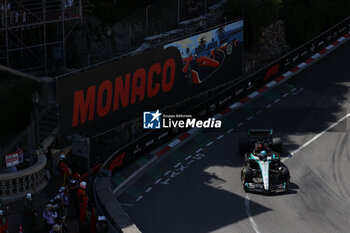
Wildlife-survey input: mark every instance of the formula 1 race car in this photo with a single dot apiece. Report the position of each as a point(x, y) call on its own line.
point(263, 171)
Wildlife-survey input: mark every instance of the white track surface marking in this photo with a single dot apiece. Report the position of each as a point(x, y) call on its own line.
point(157, 181)
point(199, 150)
point(139, 198)
point(209, 143)
point(317, 136)
point(229, 131)
point(167, 173)
point(149, 189)
point(249, 214)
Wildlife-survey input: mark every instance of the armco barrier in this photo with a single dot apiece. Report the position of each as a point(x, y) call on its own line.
point(236, 92)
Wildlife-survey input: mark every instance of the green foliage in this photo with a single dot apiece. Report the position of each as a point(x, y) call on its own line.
point(257, 15)
point(15, 103)
point(337, 10)
point(304, 19)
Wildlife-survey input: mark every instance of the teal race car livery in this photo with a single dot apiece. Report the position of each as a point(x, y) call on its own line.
point(263, 170)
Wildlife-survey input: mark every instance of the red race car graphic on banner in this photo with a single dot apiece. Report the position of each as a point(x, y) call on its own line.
point(203, 54)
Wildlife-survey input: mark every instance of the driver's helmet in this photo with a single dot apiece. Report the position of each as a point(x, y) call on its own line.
point(263, 153)
point(258, 147)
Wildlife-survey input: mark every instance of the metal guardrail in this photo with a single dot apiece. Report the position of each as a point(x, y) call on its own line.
point(233, 93)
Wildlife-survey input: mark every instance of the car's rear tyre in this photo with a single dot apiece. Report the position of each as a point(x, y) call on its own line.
point(277, 145)
point(243, 146)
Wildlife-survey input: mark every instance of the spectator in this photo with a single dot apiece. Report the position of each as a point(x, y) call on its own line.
point(57, 204)
point(63, 193)
point(52, 202)
point(12, 168)
point(23, 13)
point(3, 223)
point(69, 6)
point(20, 155)
point(63, 224)
point(9, 13)
point(70, 3)
point(15, 14)
point(50, 215)
point(56, 229)
point(29, 214)
point(83, 201)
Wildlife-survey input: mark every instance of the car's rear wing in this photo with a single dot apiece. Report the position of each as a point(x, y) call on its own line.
point(260, 134)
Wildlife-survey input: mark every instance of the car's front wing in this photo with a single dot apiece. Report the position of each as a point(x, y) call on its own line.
point(259, 187)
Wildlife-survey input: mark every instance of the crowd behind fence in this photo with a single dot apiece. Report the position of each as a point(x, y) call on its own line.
point(16, 13)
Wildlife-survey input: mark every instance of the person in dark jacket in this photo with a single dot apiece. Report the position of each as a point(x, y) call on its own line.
point(30, 214)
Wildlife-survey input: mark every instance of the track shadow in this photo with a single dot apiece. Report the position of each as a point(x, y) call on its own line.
point(191, 204)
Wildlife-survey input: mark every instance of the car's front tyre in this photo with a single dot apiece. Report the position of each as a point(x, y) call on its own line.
point(285, 176)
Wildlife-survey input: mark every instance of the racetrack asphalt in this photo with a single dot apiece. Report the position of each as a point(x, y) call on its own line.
point(196, 187)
